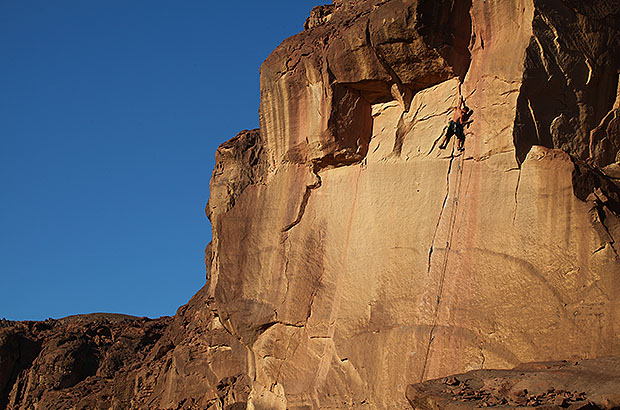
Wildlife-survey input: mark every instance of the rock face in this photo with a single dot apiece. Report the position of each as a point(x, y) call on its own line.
point(364, 258)
point(352, 257)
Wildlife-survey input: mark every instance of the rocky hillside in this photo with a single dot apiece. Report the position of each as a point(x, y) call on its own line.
point(71, 362)
point(352, 257)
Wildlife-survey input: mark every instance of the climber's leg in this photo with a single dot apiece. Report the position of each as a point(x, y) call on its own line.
point(460, 135)
point(449, 134)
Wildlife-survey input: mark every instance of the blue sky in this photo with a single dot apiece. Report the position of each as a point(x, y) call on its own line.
point(110, 114)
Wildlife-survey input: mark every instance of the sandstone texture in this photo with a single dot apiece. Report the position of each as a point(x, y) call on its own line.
point(363, 258)
point(104, 361)
point(71, 362)
point(587, 384)
point(351, 257)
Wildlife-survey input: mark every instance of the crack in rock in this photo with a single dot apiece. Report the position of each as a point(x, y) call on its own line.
point(514, 215)
point(451, 226)
point(304, 202)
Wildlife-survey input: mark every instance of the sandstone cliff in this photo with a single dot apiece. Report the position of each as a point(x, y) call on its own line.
point(362, 258)
point(351, 257)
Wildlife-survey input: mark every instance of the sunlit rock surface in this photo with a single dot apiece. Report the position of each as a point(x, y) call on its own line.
point(366, 258)
point(351, 257)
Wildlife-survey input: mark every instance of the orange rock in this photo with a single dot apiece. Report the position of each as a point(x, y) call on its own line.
point(367, 258)
point(352, 257)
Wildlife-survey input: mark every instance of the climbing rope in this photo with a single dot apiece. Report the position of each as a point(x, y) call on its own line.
point(444, 264)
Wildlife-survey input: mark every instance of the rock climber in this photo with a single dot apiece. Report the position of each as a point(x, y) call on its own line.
point(460, 118)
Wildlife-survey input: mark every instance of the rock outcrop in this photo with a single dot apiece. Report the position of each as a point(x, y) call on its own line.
point(104, 361)
point(585, 385)
point(71, 362)
point(351, 257)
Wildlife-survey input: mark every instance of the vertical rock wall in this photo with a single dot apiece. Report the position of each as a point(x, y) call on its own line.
point(365, 258)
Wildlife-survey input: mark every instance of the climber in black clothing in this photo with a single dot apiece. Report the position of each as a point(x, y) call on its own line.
point(460, 118)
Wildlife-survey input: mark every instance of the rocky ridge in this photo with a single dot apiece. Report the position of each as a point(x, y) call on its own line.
point(71, 362)
point(351, 257)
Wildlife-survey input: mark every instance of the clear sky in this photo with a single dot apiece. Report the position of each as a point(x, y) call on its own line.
point(110, 114)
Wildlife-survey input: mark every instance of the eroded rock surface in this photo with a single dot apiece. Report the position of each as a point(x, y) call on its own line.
point(71, 362)
point(351, 257)
point(570, 90)
point(366, 258)
point(587, 384)
point(104, 361)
